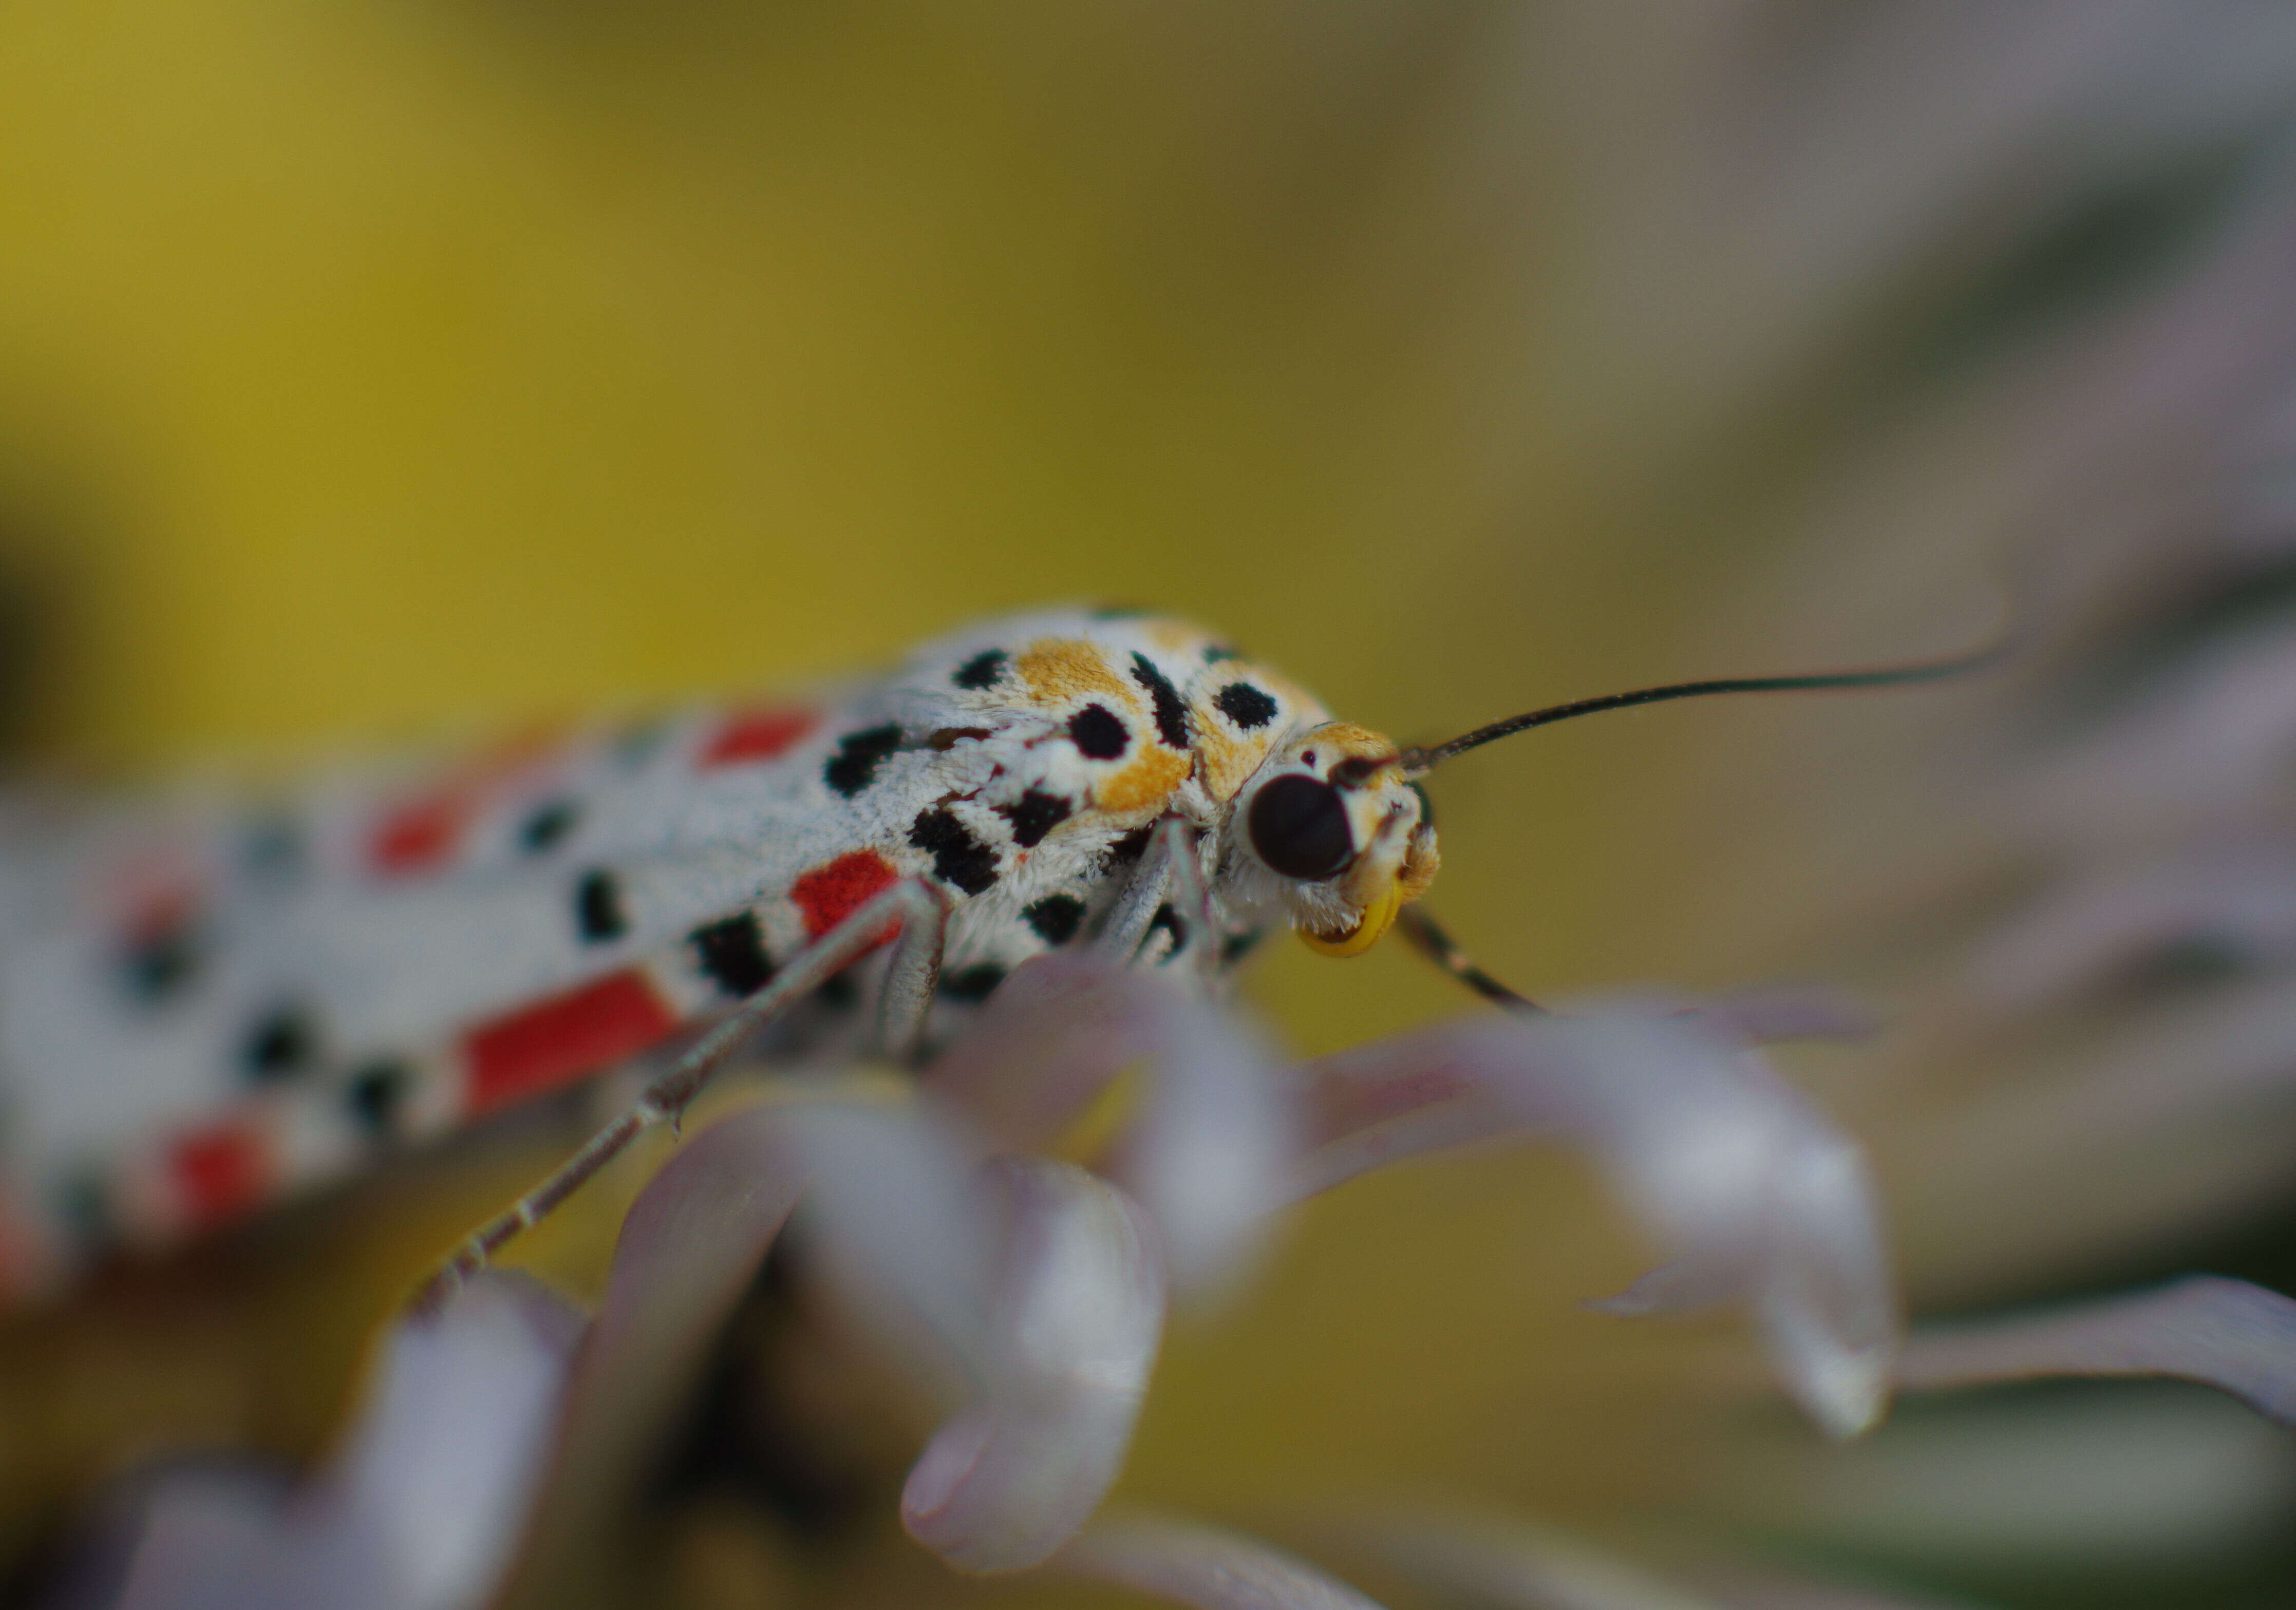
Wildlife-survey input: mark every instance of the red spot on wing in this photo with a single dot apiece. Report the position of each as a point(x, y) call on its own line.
point(220, 1174)
point(423, 832)
point(420, 836)
point(754, 735)
point(563, 1038)
point(828, 895)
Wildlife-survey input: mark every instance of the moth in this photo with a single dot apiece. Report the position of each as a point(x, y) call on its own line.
point(203, 1011)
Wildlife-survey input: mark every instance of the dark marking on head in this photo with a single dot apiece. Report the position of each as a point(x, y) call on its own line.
point(1248, 706)
point(548, 825)
point(958, 857)
point(972, 983)
point(1426, 805)
point(1035, 814)
point(1123, 852)
point(1055, 917)
point(1099, 733)
point(282, 1045)
point(983, 670)
point(733, 953)
point(1357, 769)
point(854, 766)
point(1171, 712)
point(377, 1094)
point(598, 914)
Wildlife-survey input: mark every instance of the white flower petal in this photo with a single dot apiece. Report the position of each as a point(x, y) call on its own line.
point(1200, 1565)
point(1208, 1156)
point(908, 1231)
point(423, 1506)
point(1207, 1153)
point(446, 1461)
point(2227, 1334)
point(1074, 1329)
point(1759, 1197)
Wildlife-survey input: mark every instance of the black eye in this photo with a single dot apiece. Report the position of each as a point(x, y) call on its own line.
point(1301, 829)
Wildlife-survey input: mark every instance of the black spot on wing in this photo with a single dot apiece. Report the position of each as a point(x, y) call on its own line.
point(1055, 917)
point(377, 1094)
point(160, 966)
point(983, 670)
point(281, 1045)
point(1099, 733)
point(972, 983)
point(598, 914)
point(547, 826)
point(958, 857)
point(854, 766)
point(1217, 653)
point(1171, 714)
point(1035, 814)
point(1246, 706)
point(271, 847)
point(733, 953)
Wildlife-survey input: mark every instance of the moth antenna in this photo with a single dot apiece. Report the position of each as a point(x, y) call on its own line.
point(1424, 932)
point(1418, 761)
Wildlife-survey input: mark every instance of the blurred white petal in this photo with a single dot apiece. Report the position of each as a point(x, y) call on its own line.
point(2227, 1334)
point(422, 1509)
point(1205, 1567)
point(1206, 1155)
point(1759, 1197)
point(1074, 1329)
point(909, 1229)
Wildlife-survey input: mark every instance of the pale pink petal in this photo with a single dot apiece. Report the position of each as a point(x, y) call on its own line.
point(448, 1461)
point(2227, 1334)
point(690, 1246)
point(908, 1231)
point(1208, 1157)
point(2089, 931)
point(1201, 1565)
point(1047, 1043)
point(1073, 1328)
point(1207, 1154)
point(422, 1509)
point(1758, 1194)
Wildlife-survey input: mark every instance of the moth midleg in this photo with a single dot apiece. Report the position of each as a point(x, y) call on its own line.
point(1192, 898)
point(1135, 911)
point(911, 974)
point(909, 904)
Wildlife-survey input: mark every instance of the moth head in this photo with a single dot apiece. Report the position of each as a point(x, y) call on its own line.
point(1346, 835)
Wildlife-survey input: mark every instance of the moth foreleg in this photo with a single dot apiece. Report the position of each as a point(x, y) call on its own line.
point(909, 905)
point(1152, 884)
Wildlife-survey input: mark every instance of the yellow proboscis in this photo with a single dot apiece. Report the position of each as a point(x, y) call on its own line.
point(1378, 917)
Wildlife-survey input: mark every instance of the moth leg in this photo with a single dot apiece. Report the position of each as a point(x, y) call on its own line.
point(1429, 938)
point(908, 905)
point(1135, 911)
point(911, 974)
point(1192, 898)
